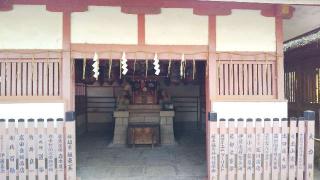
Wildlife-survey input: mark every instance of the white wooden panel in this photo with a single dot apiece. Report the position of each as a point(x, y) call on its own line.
point(250, 109)
point(176, 27)
point(3, 149)
point(246, 30)
point(22, 151)
point(104, 25)
point(30, 27)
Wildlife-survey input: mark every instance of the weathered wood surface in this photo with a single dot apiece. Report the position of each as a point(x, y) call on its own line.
point(262, 149)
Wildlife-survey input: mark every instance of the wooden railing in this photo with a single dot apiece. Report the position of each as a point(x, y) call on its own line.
point(30, 77)
point(245, 78)
point(261, 149)
point(37, 149)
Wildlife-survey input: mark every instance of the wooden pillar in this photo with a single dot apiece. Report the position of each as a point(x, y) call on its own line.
point(141, 29)
point(280, 58)
point(67, 65)
point(210, 84)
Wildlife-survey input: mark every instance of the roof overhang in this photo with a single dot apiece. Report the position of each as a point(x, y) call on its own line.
point(301, 2)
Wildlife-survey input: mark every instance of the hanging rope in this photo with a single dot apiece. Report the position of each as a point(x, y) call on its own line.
point(193, 68)
point(146, 67)
point(110, 66)
point(84, 68)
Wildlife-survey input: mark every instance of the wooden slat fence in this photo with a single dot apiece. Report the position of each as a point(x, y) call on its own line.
point(261, 149)
point(246, 78)
point(30, 77)
point(35, 149)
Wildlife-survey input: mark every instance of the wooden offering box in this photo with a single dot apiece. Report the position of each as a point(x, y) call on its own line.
point(143, 134)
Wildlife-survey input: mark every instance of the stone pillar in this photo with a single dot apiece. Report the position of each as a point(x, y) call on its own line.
point(120, 127)
point(166, 127)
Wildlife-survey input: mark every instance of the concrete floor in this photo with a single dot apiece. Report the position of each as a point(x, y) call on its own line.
point(96, 160)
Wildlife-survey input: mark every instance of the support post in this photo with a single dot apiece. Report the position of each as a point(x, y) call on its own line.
point(280, 66)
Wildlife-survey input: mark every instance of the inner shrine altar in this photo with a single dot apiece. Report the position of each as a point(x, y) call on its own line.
point(143, 117)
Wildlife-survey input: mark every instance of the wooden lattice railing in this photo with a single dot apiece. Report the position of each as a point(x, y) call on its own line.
point(261, 149)
point(246, 78)
point(30, 77)
point(37, 149)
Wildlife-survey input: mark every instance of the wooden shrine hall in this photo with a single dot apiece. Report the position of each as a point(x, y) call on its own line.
point(158, 89)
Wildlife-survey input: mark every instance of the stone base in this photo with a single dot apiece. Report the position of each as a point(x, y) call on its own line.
point(150, 114)
point(120, 127)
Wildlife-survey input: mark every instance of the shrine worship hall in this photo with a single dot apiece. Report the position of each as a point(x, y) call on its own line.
point(159, 89)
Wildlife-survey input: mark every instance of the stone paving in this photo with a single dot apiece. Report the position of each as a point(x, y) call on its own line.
point(185, 160)
point(96, 160)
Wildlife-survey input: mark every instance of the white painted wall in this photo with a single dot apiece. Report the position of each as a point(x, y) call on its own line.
point(250, 109)
point(30, 27)
point(176, 27)
point(104, 25)
point(246, 30)
point(31, 110)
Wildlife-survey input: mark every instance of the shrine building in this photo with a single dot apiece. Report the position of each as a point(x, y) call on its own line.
point(159, 89)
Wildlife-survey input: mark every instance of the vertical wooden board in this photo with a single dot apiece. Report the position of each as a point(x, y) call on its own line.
point(21, 137)
point(264, 79)
point(231, 85)
point(300, 148)
point(255, 79)
point(236, 79)
point(259, 74)
point(274, 79)
point(34, 78)
point(51, 151)
point(31, 147)
point(250, 83)
point(41, 151)
point(292, 149)
point(309, 149)
point(13, 79)
point(30, 84)
point(24, 78)
point(258, 150)
point(19, 78)
point(3, 149)
point(232, 146)
point(269, 79)
point(45, 79)
point(245, 79)
point(60, 149)
point(50, 84)
point(3, 79)
point(12, 150)
point(276, 143)
point(267, 145)
point(226, 79)
point(242, 144)
point(70, 150)
point(213, 149)
point(250, 150)
point(240, 79)
point(284, 149)
point(40, 79)
point(221, 79)
point(56, 79)
point(223, 148)
point(8, 79)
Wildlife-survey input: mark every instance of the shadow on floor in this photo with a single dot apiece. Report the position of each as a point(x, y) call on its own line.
point(186, 160)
